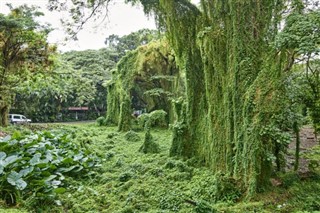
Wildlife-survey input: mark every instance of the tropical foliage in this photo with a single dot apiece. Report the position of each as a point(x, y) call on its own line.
point(24, 52)
point(77, 78)
point(36, 166)
point(215, 108)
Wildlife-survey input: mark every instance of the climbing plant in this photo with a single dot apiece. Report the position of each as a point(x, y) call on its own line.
point(227, 53)
point(146, 79)
point(235, 55)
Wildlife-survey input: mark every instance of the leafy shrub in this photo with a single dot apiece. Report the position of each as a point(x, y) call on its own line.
point(171, 200)
point(156, 118)
point(124, 177)
point(149, 145)
point(132, 136)
point(314, 158)
point(216, 188)
point(112, 135)
point(101, 121)
point(306, 195)
point(36, 165)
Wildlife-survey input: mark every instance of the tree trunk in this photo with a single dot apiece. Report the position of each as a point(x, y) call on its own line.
point(125, 117)
point(4, 111)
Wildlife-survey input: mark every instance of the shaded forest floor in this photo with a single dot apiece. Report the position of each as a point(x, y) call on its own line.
point(132, 182)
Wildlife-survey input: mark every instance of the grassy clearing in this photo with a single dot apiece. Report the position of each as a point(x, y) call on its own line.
point(132, 182)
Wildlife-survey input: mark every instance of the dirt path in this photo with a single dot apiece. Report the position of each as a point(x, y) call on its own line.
point(307, 141)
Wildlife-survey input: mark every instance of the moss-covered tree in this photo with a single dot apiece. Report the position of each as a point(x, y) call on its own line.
point(233, 83)
point(146, 78)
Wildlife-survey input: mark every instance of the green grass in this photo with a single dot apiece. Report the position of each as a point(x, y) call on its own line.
point(132, 182)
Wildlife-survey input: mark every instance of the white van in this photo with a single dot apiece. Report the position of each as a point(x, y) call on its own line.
point(16, 118)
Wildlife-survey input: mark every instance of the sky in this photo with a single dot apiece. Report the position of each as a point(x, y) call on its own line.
point(122, 20)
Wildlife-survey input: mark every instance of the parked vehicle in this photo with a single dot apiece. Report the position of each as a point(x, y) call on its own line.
point(16, 118)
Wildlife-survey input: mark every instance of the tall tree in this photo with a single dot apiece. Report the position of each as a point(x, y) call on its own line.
point(23, 51)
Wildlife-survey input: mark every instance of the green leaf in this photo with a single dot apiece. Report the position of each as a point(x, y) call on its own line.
point(66, 169)
point(6, 139)
point(60, 190)
point(3, 155)
point(36, 159)
point(16, 135)
point(15, 179)
point(42, 165)
point(13, 142)
point(51, 177)
point(26, 171)
point(67, 160)
point(78, 157)
point(56, 182)
point(21, 184)
point(79, 169)
point(11, 159)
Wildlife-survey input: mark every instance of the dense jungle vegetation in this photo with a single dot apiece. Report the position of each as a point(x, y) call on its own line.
point(218, 111)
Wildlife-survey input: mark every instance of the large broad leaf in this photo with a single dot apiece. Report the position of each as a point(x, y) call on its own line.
point(15, 179)
point(6, 139)
point(78, 157)
point(26, 171)
point(21, 184)
point(49, 156)
point(3, 155)
point(36, 159)
point(64, 170)
point(56, 182)
point(13, 142)
point(11, 159)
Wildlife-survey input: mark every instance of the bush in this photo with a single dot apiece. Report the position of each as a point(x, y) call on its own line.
point(155, 118)
point(101, 121)
point(132, 136)
point(149, 145)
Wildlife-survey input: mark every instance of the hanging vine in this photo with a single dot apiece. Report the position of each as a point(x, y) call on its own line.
point(226, 52)
point(234, 80)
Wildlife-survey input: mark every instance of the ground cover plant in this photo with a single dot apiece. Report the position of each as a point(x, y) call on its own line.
point(131, 181)
point(35, 167)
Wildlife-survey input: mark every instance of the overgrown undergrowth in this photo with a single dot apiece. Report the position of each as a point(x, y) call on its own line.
point(130, 181)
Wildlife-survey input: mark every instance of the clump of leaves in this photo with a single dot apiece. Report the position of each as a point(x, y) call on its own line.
point(37, 165)
point(156, 118)
point(101, 121)
point(149, 145)
point(132, 136)
point(314, 158)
